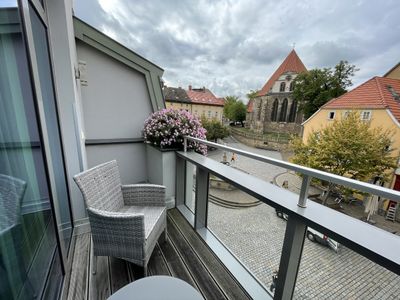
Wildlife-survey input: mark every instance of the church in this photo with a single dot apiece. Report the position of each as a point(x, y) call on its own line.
point(274, 109)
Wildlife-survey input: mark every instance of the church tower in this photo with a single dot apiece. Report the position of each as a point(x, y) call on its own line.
point(274, 109)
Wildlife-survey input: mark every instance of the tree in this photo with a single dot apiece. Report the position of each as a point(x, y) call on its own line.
point(252, 94)
point(349, 147)
point(314, 88)
point(234, 109)
point(215, 130)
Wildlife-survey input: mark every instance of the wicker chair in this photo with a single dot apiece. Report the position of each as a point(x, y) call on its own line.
point(126, 220)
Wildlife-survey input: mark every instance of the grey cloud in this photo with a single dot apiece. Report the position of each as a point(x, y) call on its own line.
point(234, 46)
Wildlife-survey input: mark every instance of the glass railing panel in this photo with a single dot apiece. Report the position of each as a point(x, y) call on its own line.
point(190, 186)
point(250, 229)
point(329, 270)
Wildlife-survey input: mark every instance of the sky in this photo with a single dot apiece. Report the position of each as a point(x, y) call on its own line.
point(232, 47)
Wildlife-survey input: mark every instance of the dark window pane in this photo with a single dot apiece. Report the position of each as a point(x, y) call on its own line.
point(46, 84)
point(27, 233)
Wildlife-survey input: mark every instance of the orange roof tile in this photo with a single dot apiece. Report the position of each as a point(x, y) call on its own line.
point(204, 96)
point(292, 63)
point(378, 92)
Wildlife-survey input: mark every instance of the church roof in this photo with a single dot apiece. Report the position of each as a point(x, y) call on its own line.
point(376, 93)
point(292, 63)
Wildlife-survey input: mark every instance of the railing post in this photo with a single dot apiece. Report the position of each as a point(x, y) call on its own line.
point(180, 181)
point(305, 185)
point(184, 144)
point(202, 179)
point(290, 259)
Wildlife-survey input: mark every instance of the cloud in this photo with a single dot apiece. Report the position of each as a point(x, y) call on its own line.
point(234, 46)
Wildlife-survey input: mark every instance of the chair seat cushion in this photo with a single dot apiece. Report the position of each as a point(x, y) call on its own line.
point(153, 217)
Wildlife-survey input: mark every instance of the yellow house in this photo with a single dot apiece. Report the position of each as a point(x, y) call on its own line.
point(200, 102)
point(377, 101)
point(394, 72)
point(205, 103)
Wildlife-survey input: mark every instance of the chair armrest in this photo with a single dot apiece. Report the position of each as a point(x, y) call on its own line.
point(117, 234)
point(144, 194)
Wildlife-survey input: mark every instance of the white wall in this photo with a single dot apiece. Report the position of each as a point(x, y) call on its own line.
point(282, 78)
point(115, 104)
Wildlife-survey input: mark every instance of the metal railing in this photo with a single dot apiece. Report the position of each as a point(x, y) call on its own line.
point(353, 233)
point(308, 173)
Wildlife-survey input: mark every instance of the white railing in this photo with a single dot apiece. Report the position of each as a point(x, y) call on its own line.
point(353, 233)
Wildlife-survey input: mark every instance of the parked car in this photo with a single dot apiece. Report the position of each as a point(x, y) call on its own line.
point(318, 237)
point(314, 235)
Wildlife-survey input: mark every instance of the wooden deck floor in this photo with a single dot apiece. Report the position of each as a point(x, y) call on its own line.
point(184, 256)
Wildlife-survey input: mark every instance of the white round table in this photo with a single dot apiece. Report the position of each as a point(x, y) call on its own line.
point(156, 288)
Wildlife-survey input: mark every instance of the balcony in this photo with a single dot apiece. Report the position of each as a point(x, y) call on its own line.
point(184, 256)
point(201, 251)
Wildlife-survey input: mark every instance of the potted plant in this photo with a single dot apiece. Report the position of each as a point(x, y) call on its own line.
point(163, 134)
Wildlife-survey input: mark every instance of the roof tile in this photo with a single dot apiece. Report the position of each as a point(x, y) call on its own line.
point(292, 63)
point(373, 94)
point(204, 96)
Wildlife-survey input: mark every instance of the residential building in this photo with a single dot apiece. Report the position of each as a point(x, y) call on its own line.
point(71, 98)
point(199, 101)
point(274, 109)
point(376, 101)
point(205, 103)
point(177, 98)
point(394, 72)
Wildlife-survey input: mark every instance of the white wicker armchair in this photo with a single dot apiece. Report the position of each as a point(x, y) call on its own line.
point(126, 220)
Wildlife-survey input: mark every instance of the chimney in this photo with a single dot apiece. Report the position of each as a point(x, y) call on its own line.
point(204, 89)
point(190, 87)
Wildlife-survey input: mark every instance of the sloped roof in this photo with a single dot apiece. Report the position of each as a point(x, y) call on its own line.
point(175, 95)
point(250, 106)
point(378, 92)
point(292, 63)
point(204, 96)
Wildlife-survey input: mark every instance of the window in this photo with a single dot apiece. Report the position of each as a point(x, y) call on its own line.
point(216, 114)
point(282, 115)
point(274, 113)
point(282, 87)
point(209, 113)
point(331, 115)
point(195, 112)
point(291, 87)
point(366, 115)
point(293, 110)
point(346, 114)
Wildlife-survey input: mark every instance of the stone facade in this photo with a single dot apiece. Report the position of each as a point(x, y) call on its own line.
point(277, 111)
point(274, 109)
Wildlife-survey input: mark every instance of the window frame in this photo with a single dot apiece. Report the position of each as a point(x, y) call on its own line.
point(282, 86)
point(363, 113)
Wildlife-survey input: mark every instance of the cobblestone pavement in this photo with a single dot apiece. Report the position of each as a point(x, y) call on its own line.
point(255, 235)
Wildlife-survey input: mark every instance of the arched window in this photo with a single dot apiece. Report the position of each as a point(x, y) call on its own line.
point(282, 115)
point(274, 113)
point(282, 87)
point(293, 110)
point(291, 87)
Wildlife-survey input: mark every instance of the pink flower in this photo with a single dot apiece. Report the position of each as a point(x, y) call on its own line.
point(166, 128)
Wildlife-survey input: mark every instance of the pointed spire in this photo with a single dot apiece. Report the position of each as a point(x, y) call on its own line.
point(292, 63)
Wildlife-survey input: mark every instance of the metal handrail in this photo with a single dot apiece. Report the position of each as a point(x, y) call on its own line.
point(308, 172)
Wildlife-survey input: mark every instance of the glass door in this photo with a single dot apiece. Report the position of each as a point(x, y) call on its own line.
point(35, 215)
